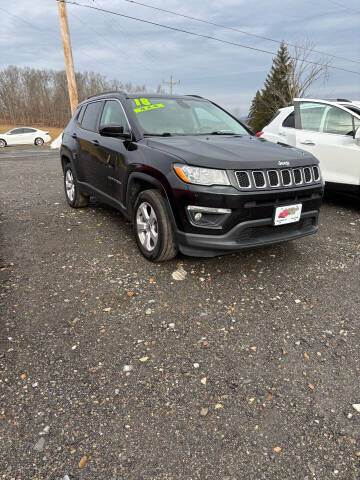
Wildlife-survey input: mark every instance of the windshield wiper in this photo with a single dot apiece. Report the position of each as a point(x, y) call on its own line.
point(165, 134)
point(222, 132)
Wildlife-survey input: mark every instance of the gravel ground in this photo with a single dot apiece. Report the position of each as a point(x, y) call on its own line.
point(247, 369)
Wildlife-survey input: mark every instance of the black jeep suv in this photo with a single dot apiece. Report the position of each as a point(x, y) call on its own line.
point(188, 174)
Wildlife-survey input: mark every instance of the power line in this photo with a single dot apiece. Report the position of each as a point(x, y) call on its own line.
point(104, 39)
point(343, 7)
point(117, 28)
point(204, 36)
point(24, 21)
point(237, 30)
point(46, 31)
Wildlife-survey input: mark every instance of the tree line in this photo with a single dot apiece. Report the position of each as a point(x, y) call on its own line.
point(30, 96)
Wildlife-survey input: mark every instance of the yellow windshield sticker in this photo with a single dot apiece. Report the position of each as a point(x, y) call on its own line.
point(148, 107)
point(144, 101)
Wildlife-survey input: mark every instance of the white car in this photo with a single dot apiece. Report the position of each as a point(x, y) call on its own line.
point(330, 130)
point(24, 136)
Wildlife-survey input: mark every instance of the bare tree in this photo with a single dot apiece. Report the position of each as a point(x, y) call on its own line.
point(40, 97)
point(291, 76)
point(305, 69)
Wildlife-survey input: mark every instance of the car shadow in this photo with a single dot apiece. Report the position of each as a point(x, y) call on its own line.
point(342, 200)
point(290, 252)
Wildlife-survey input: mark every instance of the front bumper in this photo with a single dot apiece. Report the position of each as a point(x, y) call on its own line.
point(250, 223)
point(248, 234)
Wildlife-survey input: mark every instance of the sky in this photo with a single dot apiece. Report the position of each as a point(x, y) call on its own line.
point(132, 51)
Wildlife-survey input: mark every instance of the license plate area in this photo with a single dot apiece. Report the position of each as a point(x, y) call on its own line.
point(287, 214)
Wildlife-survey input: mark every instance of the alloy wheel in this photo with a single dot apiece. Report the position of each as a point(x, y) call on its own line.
point(147, 226)
point(70, 185)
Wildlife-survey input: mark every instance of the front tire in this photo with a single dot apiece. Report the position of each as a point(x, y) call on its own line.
point(73, 195)
point(2, 143)
point(153, 230)
point(39, 141)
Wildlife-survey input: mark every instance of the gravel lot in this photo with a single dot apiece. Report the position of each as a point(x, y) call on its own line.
point(110, 369)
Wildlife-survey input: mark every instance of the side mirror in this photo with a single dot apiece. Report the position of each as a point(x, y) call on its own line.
point(115, 131)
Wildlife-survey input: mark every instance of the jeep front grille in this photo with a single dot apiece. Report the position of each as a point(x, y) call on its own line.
point(277, 178)
point(298, 177)
point(259, 179)
point(286, 177)
point(316, 173)
point(274, 179)
point(243, 179)
point(307, 174)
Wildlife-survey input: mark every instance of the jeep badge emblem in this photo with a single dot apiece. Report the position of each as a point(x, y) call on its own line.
point(283, 164)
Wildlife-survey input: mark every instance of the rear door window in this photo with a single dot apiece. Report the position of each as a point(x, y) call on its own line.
point(289, 121)
point(312, 116)
point(16, 131)
point(91, 116)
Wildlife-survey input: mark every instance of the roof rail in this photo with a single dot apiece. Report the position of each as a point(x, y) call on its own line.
point(107, 93)
point(197, 96)
point(337, 100)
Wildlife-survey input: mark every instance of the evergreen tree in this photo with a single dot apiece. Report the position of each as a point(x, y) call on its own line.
point(254, 111)
point(276, 92)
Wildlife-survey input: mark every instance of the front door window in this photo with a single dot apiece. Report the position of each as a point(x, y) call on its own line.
point(113, 114)
point(322, 118)
point(339, 122)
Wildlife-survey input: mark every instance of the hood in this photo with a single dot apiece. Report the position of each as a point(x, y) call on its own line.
point(231, 152)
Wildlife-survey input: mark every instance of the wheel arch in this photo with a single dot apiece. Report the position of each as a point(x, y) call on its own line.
point(65, 160)
point(138, 182)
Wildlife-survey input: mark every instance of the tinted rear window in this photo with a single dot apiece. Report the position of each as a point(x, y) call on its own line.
point(90, 119)
point(289, 121)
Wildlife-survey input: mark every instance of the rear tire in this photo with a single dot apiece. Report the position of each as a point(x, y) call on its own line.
point(39, 141)
point(72, 193)
point(153, 230)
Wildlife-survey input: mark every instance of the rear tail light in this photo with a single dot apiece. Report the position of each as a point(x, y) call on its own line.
point(259, 134)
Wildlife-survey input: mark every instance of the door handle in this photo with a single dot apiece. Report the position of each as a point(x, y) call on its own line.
point(74, 135)
point(96, 143)
point(308, 142)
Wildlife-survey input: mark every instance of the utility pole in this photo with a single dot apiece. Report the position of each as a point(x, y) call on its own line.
point(171, 83)
point(69, 63)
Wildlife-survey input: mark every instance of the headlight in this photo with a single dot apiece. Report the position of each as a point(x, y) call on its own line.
point(201, 176)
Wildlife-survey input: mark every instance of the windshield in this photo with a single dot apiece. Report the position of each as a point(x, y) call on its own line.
point(176, 116)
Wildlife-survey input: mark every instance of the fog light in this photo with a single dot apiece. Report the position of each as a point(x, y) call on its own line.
point(207, 217)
